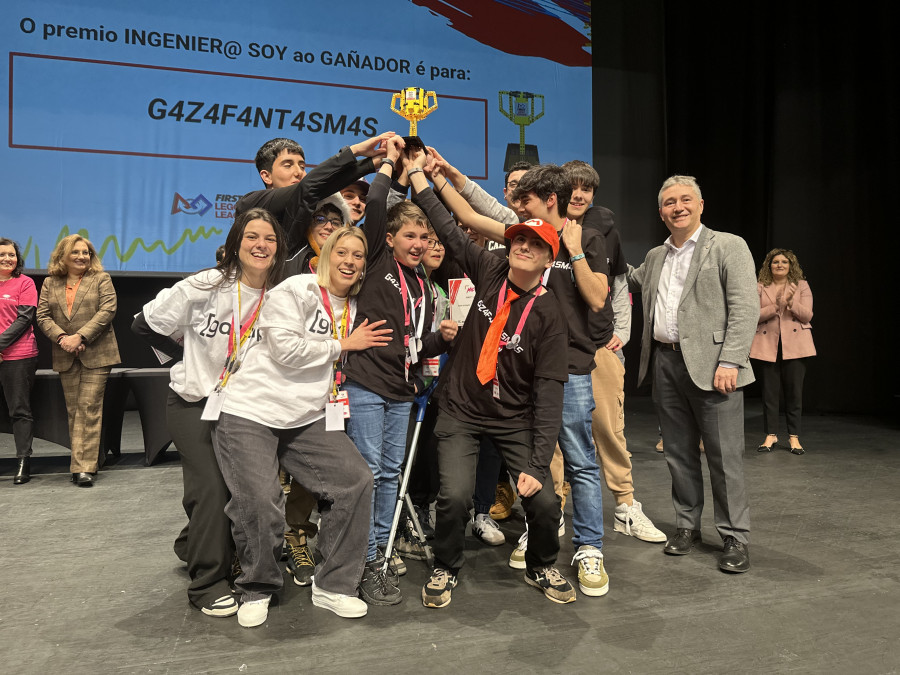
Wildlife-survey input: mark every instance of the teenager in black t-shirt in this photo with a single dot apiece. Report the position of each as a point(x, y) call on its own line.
point(381, 385)
point(509, 389)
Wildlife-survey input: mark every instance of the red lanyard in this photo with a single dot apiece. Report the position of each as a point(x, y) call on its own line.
point(337, 333)
point(235, 339)
point(501, 299)
point(409, 329)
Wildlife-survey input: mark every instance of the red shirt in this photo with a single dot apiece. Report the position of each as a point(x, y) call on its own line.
point(17, 291)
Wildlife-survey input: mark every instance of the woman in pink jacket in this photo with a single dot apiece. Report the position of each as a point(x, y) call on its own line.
point(782, 343)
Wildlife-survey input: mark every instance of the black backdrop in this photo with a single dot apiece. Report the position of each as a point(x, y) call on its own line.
point(787, 115)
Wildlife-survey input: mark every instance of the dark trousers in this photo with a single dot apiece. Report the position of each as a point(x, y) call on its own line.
point(489, 465)
point(423, 480)
point(782, 377)
point(687, 414)
point(458, 449)
point(207, 547)
point(17, 381)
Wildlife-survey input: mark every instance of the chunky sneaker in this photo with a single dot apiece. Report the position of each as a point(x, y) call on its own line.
point(375, 589)
point(631, 520)
point(554, 584)
point(592, 578)
point(504, 498)
point(410, 547)
point(487, 530)
point(254, 612)
point(347, 606)
point(300, 564)
point(436, 593)
point(517, 557)
point(225, 606)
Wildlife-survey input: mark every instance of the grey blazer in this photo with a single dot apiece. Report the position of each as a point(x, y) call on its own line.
point(719, 306)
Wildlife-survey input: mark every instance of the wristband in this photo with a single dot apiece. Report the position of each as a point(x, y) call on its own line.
point(576, 257)
point(389, 162)
point(412, 171)
point(442, 186)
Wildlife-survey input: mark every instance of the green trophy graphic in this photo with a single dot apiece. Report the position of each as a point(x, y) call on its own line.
point(519, 108)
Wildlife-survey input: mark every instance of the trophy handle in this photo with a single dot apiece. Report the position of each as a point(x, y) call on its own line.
point(507, 115)
point(434, 104)
point(540, 114)
point(395, 98)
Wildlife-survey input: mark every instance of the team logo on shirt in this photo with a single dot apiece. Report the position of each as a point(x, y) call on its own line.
point(213, 327)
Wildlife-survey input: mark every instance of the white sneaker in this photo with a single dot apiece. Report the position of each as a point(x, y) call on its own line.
point(254, 612)
point(487, 530)
point(347, 606)
point(517, 557)
point(631, 520)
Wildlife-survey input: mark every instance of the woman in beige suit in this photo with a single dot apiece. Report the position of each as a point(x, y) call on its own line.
point(782, 343)
point(76, 309)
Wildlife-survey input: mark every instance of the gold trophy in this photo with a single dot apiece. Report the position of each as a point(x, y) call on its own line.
point(414, 107)
point(520, 110)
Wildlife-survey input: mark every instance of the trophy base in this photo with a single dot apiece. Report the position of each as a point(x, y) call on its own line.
point(514, 153)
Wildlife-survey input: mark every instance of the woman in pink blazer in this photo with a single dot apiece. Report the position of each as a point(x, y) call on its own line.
point(782, 343)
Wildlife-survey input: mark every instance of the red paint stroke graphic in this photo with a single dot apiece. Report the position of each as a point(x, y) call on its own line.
point(520, 27)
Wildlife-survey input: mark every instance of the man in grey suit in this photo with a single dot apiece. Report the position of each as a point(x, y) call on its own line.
point(700, 313)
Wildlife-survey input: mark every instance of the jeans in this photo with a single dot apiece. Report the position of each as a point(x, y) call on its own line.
point(323, 462)
point(378, 426)
point(581, 469)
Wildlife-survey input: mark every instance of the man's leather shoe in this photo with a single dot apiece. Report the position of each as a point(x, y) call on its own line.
point(23, 472)
point(735, 556)
point(682, 542)
point(84, 479)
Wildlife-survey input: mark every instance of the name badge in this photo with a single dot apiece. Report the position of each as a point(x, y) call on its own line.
point(334, 416)
point(496, 388)
point(213, 407)
point(344, 400)
point(431, 367)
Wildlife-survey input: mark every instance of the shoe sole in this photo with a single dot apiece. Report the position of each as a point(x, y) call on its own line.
point(500, 515)
point(412, 555)
point(621, 529)
point(558, 601)
point(380, 603)
point(484, 540)
point(296, 580)
point(231, 611)
point(593, 592)
point(253, 624)
point(327, 604)
point(517, 564)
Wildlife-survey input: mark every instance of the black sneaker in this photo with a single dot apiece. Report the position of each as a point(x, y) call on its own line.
point(408, 544)
point(375, 589)
point(227, 605)
point(300, 564)
point(436, 593)
point(424, 516)
point(391, 574)
point(552, 582)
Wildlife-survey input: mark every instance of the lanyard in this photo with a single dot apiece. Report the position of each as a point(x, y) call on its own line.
point(337, 333)
point(238, 341)
point(516, 338)
point(409, 304)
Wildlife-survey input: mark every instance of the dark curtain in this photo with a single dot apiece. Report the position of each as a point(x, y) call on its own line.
point(787, 115)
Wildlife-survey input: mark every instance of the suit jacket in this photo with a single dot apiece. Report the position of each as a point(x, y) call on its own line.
point(792, 326)
point(92, 314)
point(718, 310)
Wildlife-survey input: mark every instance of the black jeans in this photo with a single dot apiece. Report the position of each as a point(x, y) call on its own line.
point(17, 381)
point(458, 449)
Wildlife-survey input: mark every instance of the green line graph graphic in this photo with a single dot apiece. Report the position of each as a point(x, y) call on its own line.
point(113, 242)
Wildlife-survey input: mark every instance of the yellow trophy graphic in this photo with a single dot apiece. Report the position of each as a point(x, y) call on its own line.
point(414, 107)
point(520, 109)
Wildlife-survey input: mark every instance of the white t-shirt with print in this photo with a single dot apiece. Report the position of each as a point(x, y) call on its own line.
point(201, 312)
point(285, 380)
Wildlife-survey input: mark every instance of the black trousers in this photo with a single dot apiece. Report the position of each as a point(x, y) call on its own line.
point(17, 381)
point(458, 449)
point(207, 548)
point(783, 377)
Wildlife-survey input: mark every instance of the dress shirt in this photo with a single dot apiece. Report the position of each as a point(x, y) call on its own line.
point(671, 284)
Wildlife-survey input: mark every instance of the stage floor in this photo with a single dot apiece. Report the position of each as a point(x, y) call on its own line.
point(92, 584)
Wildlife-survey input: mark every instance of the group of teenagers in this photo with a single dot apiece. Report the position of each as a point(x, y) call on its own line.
point(301, 352)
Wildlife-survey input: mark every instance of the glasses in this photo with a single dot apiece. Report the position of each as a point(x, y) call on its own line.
point(321, 220)
point(433, 244)
point(512, 185)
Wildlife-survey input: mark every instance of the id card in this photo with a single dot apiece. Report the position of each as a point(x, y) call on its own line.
point(344, 400)
point(334, 416)
point(431, 367)
point(213, 407)
point(495, 386)
point(413, 350)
